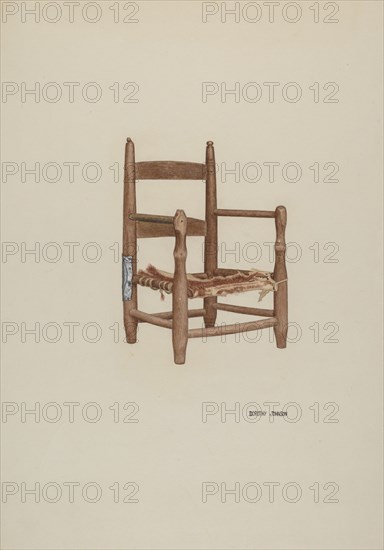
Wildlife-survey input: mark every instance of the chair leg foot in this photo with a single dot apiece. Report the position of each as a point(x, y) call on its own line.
point(179, 358)
point(131, 332)
point(179, 351)
point(130, 323)
point(210, 312)
point(280, 336)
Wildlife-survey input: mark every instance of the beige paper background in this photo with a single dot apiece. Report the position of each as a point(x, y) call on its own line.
point(170, 452)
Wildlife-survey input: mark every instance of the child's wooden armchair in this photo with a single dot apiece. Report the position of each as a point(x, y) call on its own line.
point(210, 284)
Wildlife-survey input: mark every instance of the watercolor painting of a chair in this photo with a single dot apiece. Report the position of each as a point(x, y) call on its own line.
point(210, 284)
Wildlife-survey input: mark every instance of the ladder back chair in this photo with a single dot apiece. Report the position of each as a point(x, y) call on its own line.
point(211, 283)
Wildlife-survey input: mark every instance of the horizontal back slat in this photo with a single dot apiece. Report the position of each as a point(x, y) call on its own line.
point(151, 218)
point(170, 170)
point(146, 229)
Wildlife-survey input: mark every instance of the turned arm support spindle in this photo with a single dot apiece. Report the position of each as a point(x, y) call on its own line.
point(280, 274)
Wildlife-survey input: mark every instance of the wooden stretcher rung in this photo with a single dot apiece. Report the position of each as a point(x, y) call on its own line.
point(244, 309)
point(245, 213)
point(149, 318)
point(231, 329)
point(169, 314)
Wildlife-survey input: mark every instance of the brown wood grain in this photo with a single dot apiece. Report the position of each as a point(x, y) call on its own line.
point(245, 309)
point(210, 244)
point(180, 289)
point(130, 237)
point(280, 301)
point(169, 314)
point(231, 329)
point(170, 170)
point(245, 213)
point(150, 225)
point(150, 318)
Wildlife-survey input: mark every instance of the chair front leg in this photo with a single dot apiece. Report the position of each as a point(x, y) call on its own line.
point(280, 276)
point(180, 289)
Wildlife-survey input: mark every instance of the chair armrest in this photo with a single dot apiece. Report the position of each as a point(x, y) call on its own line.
point(246, 213)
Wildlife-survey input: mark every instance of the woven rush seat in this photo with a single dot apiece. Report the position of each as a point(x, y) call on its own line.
point(202, 286)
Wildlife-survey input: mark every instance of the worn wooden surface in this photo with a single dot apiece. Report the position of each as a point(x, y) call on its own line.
point(169, 314)
point(280, 301)
point(170, 170)
point(179, 291)
point(245, 309)
point(231, 329)
point(130, 237)
point(151, 225)
point(149, 318)
point(245, 213)
point(210, 244)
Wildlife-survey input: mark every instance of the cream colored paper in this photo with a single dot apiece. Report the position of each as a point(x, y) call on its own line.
point(310, 480)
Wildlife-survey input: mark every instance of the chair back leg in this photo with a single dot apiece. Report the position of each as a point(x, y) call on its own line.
point(130, 238)
point(210, 245)
point(180, 289)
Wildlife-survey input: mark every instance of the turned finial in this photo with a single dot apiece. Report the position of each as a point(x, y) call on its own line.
point(180, 221)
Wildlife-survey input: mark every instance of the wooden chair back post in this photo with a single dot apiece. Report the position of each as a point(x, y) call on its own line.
point(130, 237)
point(280, 274)
point(210, 244)
point(180, 288)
